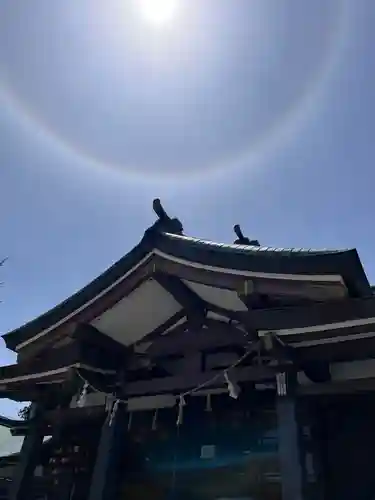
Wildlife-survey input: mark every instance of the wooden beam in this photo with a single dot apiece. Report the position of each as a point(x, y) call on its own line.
point(311, 290)
point(272, 286)
point(338, 387)
point(183, 365)
point(361, 348)
point(290, 445)
point(271, 294)
point(313, 314)
point(203, 276)
point(279, 349)
point(181, 339)
point(179, 383)
point(269, 302)
point(193, 362)
point(316, 370)
point(90, 347)
point(220, 360)
point(72, 415)
point(163, 327)
point(194, 305)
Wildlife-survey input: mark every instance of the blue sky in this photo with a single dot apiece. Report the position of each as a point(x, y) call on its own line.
point(258, 112)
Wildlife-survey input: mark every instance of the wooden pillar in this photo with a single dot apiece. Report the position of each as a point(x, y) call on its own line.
point(108, 474)
point(290, 439)
point(29, 458)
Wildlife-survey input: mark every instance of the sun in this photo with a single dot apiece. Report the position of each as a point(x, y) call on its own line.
point(158, 12)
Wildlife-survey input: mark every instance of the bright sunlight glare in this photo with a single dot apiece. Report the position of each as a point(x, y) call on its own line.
point(158, 12)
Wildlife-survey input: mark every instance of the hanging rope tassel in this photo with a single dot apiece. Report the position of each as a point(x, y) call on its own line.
point(233, 388)
point(181, 405)
point(155, 420)
point(113, 412)
point(82, 397)
point(109, 402)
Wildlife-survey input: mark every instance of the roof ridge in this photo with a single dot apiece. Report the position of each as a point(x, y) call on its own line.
point(256, 248)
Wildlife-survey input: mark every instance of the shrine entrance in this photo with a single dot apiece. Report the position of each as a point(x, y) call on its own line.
point(224, 449)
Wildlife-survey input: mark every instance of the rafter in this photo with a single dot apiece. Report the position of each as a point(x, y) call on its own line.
point(195, 306)
point(161, 329)
point(184, 339)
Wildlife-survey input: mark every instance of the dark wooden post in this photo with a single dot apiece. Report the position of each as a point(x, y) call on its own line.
point(290, 439)
point(29, 457)
point(107, 475)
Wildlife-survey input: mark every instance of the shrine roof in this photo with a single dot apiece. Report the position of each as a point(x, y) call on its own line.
point(245, 258)
point(189, 243)
point(11, 423)
point(247, 249)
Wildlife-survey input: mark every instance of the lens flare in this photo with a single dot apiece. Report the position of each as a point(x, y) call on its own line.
point(158, 12)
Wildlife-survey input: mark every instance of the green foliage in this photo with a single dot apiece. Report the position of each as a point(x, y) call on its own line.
point(24, 412)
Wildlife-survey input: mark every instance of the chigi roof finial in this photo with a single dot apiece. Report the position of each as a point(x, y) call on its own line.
point(159, 210)
point(164, 222)
point(243, 240)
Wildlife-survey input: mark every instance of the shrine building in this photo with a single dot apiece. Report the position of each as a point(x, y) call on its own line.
point(198, 370)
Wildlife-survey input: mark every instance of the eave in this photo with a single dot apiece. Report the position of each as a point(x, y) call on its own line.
point(231, 267)
point(11, 423)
